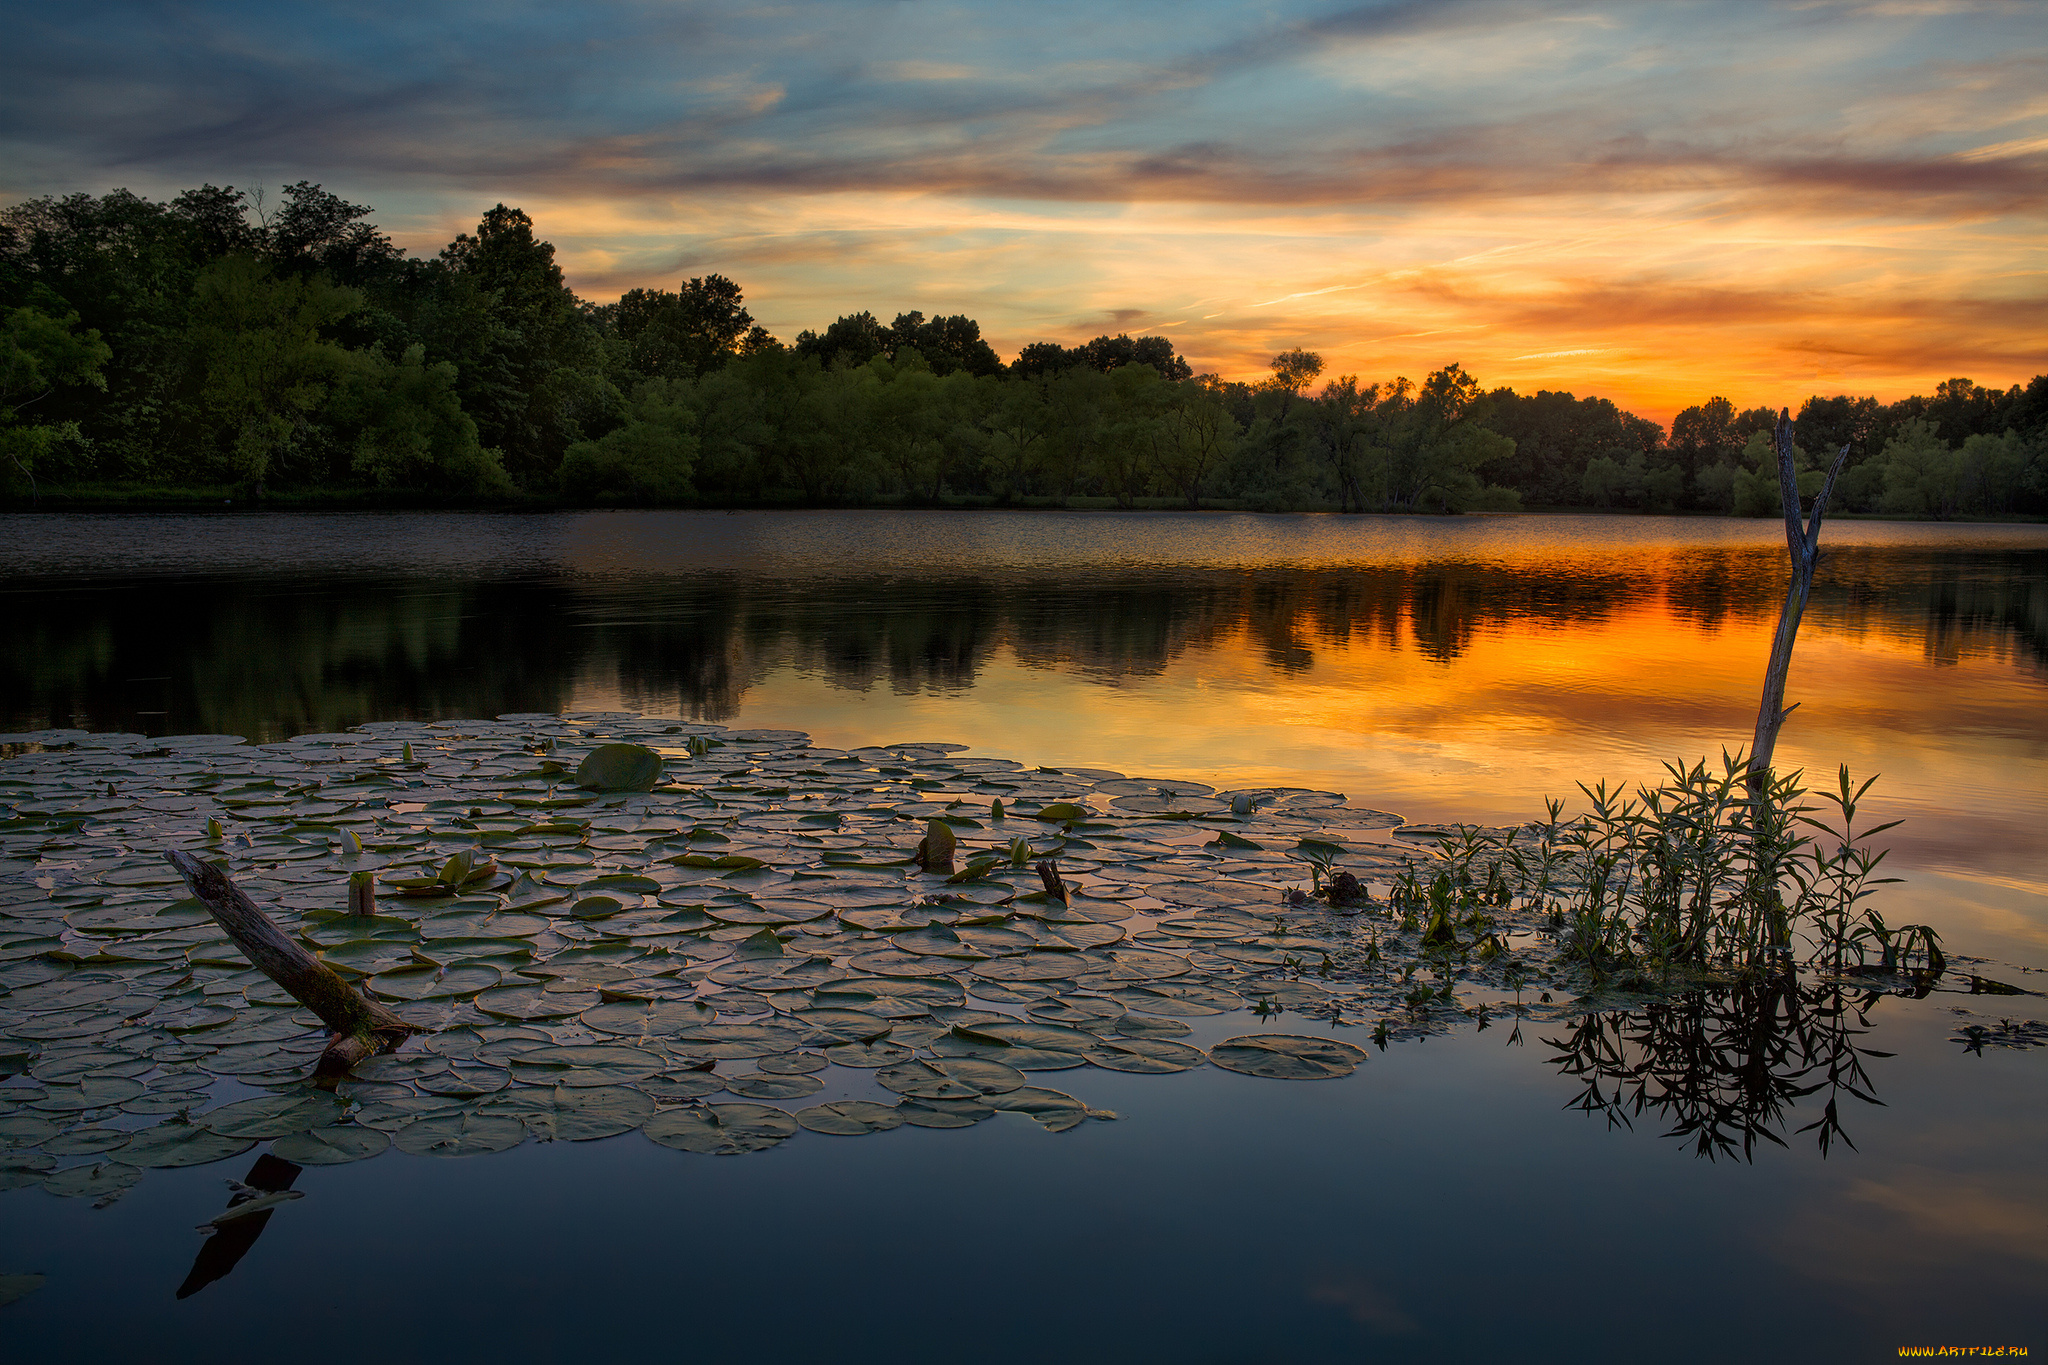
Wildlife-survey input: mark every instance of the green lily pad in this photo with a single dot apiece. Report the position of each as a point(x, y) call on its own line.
point(935, 1113)
point(735, 1040)
point(619, 768)
point(769, 1086)
point(459, 1134)
point(181, 1144)
point(1150, 1055)
point(867, 1055)
point(951, 1078)
point(332, 1146)
point(271, 1116)
point(1287, 1057)
point(102, 1180)
point(572, 1114)
point(586, 1066)
point(721, 1129)
point(432, 983)
point(87, 1141)
point(850, 1118)
point(1055, 1110)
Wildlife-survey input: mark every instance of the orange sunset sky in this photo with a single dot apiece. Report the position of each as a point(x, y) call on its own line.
point(1653, 202)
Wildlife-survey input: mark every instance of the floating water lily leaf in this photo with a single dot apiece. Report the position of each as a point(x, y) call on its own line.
point(429, 983)
point(534, 1002)
point(270, 1116)
point(181, 1144)
point(102, 1180)
point(1151, 1055)
point(936, 1113)
point(87, 1141)
point(736, 1040)
point(769, 1086)
point(951, 1078)
point(624, 883)
point(1056, 1110)
point(333, 1146)
point(850, 1118)
point(865, 1055)
point(1179, 998)
point(584, 1115)
point(464, 1080)
point(586, 1066)
point(459, 1134)
point(721, 1129)
point(686, 1085)
point(619, 768)
point(1287, 1057)
point(1086, 1011)
point(1063, 810)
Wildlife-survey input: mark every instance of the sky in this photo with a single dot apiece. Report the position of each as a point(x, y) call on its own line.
point(1652, 202)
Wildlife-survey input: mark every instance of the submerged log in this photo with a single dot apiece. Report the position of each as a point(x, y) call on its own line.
point(361, 1027)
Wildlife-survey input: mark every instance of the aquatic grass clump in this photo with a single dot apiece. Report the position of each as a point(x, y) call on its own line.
point(1704, 874)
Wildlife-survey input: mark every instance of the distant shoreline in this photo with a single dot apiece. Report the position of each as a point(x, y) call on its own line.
point(145, 498)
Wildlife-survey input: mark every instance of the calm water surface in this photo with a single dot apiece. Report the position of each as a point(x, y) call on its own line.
point(1441, 1204)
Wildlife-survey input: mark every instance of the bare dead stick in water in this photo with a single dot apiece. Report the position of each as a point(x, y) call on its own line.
point(1804, 544)
point(362, 1027)
point(1055, 886)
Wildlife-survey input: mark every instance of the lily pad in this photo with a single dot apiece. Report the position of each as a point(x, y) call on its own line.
point(101, 1180)
point(332, 1146)
point(619, 768)
point(586, 1066)
point(271, 1116)
point(459, 1134)
point(1055, 1110)
point(1149, 1055)
point(1287, 1057)
point(181, 1144)
point(850, 1118)
point(766, 1085)
point(721, 1129)
point(951, 1078)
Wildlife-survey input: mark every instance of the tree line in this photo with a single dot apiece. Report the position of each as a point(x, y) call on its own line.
point(220, 339)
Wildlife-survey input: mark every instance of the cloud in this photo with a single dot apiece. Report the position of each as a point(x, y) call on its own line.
point(1642, 198)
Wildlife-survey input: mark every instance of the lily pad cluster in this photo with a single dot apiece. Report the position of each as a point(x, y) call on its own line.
point(605, 922)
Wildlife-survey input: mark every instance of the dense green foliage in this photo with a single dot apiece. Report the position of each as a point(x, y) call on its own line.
point(212, 340)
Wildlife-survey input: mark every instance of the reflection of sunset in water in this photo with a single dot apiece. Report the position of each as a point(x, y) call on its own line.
point(1447, 669)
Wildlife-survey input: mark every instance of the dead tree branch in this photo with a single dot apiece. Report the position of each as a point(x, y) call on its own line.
point(1804, 544)
point(361, 1027)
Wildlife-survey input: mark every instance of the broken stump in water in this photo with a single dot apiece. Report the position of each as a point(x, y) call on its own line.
point(362, 1027)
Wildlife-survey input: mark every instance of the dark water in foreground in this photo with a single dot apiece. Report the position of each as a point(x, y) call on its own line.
point(1441, 1204)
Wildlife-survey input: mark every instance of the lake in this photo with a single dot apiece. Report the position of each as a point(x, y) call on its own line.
point(1442, 1203)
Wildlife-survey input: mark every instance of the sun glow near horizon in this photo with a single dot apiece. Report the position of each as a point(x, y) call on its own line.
point(1653, 203)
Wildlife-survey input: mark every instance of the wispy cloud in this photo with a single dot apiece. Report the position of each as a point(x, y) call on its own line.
point(1650, 199)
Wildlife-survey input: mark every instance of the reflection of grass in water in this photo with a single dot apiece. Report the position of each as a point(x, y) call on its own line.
point(1722, 1066)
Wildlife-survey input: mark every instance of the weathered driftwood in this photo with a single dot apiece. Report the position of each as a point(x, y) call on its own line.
point(362, 1027)
point(1804, 543)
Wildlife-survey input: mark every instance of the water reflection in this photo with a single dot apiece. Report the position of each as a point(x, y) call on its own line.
point(1724, 1068)
point(232, 1234)
point(273, 655)
point(1459, 669)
